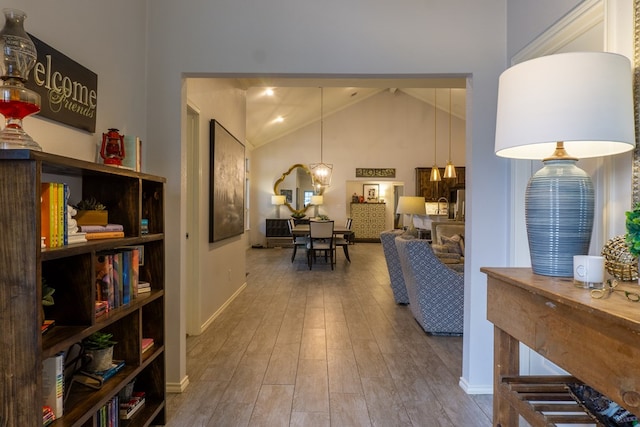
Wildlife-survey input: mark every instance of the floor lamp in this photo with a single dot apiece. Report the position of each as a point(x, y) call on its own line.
point(578, 104)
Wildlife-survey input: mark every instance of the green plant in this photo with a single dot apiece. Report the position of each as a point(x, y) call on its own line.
point(633, 230)
point(47, 293)
point(98, 340)
point(90, 204)
point(323, 217)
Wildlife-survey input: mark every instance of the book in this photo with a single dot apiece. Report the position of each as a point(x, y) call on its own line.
point(131, 406)
point(53, 383)
point(47, 325)
point(45, 212)
point(101, 308)
point(78, 237)
point(132, 153)
point(104, 280)
point(96, 379)
point(117, 278)
point(100, 228)
point(126, 276)
point(147, 343)
point(47, 416)
point(105, 235)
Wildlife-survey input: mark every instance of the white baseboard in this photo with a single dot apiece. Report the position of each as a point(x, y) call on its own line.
point(219, 311)
point(178, 387)
point(475, 389)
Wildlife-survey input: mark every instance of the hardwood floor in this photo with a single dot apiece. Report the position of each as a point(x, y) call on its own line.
point(322, 348)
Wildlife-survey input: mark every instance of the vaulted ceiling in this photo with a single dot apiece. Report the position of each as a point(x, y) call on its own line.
point(296, 102)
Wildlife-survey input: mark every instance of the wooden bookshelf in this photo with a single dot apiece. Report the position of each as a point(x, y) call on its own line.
point(129, 196)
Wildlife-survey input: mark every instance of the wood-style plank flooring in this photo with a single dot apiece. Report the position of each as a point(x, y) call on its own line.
point(322, 348)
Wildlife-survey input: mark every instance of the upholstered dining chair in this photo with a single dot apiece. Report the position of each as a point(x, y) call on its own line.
point(342, 240)
point(298, 241)
point(321, 240)
point(399, 289)
point(436, 292)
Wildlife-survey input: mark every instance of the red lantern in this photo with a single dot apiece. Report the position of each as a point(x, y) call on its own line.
point(112, 150)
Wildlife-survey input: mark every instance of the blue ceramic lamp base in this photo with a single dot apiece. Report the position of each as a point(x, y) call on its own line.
point(559, 209)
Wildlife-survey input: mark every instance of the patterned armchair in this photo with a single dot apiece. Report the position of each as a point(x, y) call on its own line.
point(436, 292)
point(393, 265)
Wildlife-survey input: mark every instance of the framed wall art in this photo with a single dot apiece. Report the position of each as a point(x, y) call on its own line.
point(226, 184)
point(371, 192)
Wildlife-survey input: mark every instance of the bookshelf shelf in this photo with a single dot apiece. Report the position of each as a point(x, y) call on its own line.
point(71, 270)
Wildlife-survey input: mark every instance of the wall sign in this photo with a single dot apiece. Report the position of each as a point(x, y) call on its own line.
point(375, 173)
point(68, 91)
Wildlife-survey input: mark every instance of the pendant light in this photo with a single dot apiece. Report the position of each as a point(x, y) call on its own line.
point(321, 172)
point(435, 172)
point(450, 170)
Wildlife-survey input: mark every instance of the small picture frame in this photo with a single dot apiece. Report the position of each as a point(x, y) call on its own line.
point(370, 192)
point(288, 195)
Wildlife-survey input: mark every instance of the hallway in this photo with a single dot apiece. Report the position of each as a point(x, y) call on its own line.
point(322, 348)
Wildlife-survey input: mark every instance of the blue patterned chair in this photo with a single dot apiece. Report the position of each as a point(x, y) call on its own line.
point(393, 265)
point(436, 292)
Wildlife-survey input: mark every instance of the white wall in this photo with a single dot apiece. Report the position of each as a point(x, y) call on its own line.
point(334, 38)
point(388, 130)
point(222, 264)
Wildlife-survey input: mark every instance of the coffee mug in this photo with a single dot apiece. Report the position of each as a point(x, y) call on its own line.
point(588, 271)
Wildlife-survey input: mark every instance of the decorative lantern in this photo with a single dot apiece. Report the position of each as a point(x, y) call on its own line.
point(112, 149)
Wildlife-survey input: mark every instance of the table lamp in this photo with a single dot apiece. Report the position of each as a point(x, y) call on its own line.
point(278, 201)
point(411, 205)
point(316, 201)
point(578, 104)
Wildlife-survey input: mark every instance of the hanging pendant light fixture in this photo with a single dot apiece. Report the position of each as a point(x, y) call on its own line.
point(435, 172)
point(450, 170)
point(321, 172)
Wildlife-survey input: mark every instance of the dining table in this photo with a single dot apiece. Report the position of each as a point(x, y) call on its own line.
point(302, 230)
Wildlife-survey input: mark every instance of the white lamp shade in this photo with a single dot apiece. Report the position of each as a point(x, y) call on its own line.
point(583, 99)
point(278, 200)
point(411, 205)
point(317, 200)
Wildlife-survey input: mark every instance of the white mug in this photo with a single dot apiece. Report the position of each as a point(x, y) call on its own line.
point(588, 271)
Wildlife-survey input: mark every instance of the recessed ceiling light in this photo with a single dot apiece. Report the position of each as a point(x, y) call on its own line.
point(268, 92)
point(279, 119)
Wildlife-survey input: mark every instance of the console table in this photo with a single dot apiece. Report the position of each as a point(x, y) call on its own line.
point(596, 341)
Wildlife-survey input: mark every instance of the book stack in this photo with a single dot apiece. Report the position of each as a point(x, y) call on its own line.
point(117, 276)
point(47, 416)
point(53, 214)
point(131, 406)
point(143, 287)
point(109, 231)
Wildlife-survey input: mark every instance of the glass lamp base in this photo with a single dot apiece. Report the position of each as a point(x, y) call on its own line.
point(14, 137)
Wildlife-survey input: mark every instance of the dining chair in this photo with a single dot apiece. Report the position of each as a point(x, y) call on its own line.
point(344, 240)
point(320, 240)
point(298, 241)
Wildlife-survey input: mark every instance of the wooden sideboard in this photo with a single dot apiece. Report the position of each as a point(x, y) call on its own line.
point(596, 341)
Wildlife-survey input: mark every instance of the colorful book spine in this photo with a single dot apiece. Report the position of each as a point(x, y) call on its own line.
point(101, 228)
point(45, 213)
point(103, 279)
point(53, 383)
point(126, 276)
point(65, 215)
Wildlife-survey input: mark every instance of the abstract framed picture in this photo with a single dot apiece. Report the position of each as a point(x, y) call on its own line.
point(226, 184)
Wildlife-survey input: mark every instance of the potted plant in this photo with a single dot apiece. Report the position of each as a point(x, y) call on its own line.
point(99, 349)
point(91, 212)
point(632, 237)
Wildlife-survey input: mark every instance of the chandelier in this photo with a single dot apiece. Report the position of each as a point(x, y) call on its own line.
point(321, 172)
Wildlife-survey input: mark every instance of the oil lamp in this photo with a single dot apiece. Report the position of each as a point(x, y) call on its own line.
point(112, 149)
point(16, 101)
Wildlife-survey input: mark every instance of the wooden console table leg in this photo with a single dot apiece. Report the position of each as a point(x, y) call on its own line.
point(506, 362)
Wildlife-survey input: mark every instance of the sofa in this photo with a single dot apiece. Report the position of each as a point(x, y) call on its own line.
point(448, 243)
point(393, 265)
point(435, 291)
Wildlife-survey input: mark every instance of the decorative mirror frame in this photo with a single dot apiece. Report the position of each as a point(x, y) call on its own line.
point(296, 212)
point(636, 101)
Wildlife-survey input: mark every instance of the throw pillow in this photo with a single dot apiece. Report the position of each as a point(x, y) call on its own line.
point(453, 243)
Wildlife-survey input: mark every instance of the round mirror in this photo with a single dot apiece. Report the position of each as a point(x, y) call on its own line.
point(297, 187)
